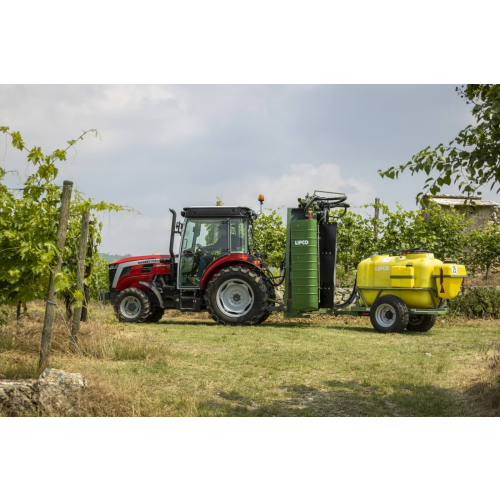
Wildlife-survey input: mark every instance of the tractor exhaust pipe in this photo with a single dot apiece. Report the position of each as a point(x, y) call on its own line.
point(172, 236)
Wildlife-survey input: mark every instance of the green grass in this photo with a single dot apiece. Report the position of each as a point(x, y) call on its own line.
point(185, 366)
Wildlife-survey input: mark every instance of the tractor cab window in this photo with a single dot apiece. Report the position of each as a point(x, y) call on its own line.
point(239, 236)
point(203, 241)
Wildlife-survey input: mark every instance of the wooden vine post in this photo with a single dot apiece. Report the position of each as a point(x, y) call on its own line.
point(82, 251)
point(88, 272)
point(50, 307)
point(377, 216)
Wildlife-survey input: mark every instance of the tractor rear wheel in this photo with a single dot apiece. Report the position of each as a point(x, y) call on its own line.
point(237, 295)
point(421, 322)
point(271, 292)
point(389, 314)
point(132, 306)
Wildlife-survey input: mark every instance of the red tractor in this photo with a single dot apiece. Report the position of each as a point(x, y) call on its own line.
point(215, 270)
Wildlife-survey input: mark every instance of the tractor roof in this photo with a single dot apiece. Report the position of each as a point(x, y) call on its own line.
point(224, 211)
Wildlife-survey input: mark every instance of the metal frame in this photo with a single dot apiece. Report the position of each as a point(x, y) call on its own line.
point(438, 309)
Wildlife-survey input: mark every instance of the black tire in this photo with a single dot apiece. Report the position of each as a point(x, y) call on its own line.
point(156, 315)
point(271, 292)
point(250, 289)
point(389, 314)
point(132, 306)
point(421, 322)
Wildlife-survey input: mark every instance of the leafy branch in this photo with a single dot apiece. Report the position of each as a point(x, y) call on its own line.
point(472, 159)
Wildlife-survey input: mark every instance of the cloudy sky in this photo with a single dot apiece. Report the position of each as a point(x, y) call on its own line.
point(174, 146)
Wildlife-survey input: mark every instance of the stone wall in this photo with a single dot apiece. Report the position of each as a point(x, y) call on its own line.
point(55, 393)
point(485, 211)
point(482, 215)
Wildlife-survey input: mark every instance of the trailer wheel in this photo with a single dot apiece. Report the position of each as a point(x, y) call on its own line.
point(236, 296)
point(155, 316)
point(132, 306)
point(389, 314)
point(421, 322)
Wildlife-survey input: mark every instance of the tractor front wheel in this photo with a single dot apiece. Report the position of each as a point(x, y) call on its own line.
point(389, 314)
point(237, 295)
point(155, 316)
point(132, 306)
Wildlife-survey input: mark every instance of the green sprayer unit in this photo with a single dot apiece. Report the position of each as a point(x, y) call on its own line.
point(217, 270)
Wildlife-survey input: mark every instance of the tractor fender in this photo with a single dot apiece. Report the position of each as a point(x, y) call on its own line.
point(226, 261)
point(155, 291)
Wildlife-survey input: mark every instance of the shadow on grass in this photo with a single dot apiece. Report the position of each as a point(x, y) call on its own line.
point(185, 322)
point(213, 323)
point(293, 325)
point(370, 329)
point(348, 399)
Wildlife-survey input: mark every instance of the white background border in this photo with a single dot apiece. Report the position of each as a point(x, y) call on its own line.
point(248, 42)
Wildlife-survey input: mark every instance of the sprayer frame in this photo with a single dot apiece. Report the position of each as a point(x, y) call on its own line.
point(353, 310)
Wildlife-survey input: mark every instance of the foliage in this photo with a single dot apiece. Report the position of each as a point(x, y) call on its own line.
point(477, 302)
point(484, 248)
point(355, 241)
point(442, 230)
point(270, 236)
point(79, 205)
point(28, 223)
point(111, 257)
point(438, 229)
point(472, 158)
point(99, 280)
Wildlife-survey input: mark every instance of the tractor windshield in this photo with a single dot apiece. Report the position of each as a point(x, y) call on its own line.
point(205, 240)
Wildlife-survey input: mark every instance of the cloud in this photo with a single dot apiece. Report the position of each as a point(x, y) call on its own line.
point(146, 233)
point(301, 178)
point(176, 145)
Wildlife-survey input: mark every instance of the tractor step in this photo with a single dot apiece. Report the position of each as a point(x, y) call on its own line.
point(188, 303)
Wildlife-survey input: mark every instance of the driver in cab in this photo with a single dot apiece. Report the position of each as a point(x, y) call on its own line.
point(217, 248)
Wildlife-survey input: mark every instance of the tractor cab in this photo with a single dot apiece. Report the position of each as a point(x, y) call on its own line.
point(214, 270)
point(208, 235)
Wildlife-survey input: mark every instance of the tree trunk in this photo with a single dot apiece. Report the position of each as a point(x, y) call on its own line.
point(77, 314)
point(69, 309)
point(50, 306)
point(88, 273)
point(377, 217)
point(487, 272)
point(18, 312)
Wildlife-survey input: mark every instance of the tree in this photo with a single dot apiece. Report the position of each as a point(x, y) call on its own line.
point(28, 224)
point(472, 159)
point(79, 205)
point(440, 230)
point(484, 248)
point(355, 241)
point(270, 236)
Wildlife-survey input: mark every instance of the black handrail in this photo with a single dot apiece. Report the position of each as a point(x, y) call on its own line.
point(172, 236)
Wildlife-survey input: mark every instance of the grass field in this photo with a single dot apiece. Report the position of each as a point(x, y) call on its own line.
point(188, 366)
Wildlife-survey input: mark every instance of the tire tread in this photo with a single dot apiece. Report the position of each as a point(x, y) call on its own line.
point(261, 302)
point(145, 305)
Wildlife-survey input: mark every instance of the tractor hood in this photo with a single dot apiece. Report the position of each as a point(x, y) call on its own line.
point(141, 259)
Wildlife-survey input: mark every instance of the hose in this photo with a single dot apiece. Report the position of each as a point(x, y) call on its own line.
point(349, 301)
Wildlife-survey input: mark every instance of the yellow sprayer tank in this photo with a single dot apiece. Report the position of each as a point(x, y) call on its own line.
point(416, 278)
